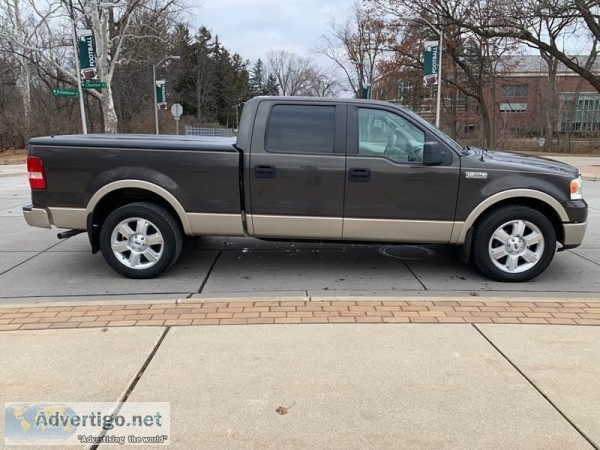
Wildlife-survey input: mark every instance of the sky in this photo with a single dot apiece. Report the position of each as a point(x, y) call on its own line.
point(253, 27)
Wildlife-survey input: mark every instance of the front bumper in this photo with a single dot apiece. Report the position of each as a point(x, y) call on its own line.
point(573, 234)
point(37, 217)
point(574, 230)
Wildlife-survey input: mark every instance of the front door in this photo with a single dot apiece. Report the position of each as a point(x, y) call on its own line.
point(297, 170)
point(390, 194)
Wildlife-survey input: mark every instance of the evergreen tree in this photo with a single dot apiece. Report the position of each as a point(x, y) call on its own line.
point(271, 86)
point(258, 80)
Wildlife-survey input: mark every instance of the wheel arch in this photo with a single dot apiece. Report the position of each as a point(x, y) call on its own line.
point(537, 200)
point(120, 193)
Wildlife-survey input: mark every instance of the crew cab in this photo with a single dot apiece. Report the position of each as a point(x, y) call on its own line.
point(307, 169)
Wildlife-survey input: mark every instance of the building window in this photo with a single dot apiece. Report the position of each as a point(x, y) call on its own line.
point(513, 107)
point(584, 112)
point(404, 87)
point(515, 90)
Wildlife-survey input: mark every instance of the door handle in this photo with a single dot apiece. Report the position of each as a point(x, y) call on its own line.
point(359, 175)
point(265, 171)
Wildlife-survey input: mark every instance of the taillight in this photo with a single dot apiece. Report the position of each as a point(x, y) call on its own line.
point(37, 178)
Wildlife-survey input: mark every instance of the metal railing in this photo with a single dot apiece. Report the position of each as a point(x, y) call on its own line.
point(209, 132)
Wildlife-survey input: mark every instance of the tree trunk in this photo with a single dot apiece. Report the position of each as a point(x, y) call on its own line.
point(492, 116)
point(488, 132)
point(25, 88)
point(551, 103)
point(108, 111)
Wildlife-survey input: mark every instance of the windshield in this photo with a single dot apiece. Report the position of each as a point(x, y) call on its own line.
point(439, 133)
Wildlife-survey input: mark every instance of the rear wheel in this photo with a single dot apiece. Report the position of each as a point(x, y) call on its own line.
point(140, 240)
point(515, 243)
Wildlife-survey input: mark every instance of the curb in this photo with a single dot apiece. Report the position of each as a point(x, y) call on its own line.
point(13, 169)
point(469, 298)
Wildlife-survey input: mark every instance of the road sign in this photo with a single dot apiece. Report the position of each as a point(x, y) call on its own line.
point(176, 110)
point(65, 93)
point(94, 85)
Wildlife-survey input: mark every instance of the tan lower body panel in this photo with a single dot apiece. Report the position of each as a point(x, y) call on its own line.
point(37, 217)
point(574, 233)
point(216, 224)
point(74, 218)
point(422, 231)
point(296, 227)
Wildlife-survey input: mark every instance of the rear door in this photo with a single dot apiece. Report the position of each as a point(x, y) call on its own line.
point(390, 194)
point(297, 170)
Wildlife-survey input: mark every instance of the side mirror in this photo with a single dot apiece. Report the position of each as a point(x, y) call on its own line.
point(433, 154)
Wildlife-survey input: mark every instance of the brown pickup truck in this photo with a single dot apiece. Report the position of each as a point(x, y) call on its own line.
point(307, 169)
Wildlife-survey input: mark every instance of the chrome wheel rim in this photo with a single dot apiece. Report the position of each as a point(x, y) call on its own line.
point(516, 246)
point(137, 243)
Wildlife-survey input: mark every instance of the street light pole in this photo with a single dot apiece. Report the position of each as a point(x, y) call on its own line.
point(438, 110)
point(78, 75)
point(439, 32)
point(158, 64)
point(77, 66)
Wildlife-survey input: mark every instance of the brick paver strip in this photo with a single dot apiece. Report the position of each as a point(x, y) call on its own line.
point(298, 312)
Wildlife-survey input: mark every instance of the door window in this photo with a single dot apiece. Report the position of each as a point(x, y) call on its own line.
point(388, 135)
point(301, 129)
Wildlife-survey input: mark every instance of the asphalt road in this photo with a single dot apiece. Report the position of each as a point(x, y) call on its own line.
point(35, 266)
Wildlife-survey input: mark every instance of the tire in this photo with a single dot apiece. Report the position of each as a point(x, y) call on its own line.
point(140, 240)
point(514, 244)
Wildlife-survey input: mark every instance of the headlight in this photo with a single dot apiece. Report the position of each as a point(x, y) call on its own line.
point(576, 188)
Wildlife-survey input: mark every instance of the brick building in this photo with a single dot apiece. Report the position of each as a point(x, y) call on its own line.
point(520, 98)
point(522, 95)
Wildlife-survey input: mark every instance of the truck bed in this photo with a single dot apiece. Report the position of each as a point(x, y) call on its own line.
point(202, 173)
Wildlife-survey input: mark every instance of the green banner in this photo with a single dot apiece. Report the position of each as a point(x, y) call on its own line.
point(87, 55)
point(161, 94)
point(366, 92)
point(431, 60)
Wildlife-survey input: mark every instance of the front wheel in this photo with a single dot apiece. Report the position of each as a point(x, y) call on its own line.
point(515, 243)
point(140, 240)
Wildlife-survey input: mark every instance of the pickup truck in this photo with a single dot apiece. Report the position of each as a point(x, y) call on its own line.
point(307, 169)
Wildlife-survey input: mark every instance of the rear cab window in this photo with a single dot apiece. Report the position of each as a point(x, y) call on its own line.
point(301, 129)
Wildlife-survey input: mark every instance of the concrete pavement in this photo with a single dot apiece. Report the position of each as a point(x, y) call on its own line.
point(351, 386)
point(36, 267)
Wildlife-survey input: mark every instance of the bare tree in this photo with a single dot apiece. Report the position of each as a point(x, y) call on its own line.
point(477, 57)
point(514, 20)
point(17, 20)
point(356, 46)
point(49, 41)
point(293, 72)
point(322, 84)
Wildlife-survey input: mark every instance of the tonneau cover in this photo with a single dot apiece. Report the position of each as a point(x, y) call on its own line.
point(142, 141)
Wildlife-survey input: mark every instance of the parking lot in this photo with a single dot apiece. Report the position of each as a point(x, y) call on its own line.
point(35, 266)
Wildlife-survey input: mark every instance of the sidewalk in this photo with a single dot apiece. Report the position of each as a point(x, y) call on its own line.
point(350, 386)
point(589, 166)
point(13, 169)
